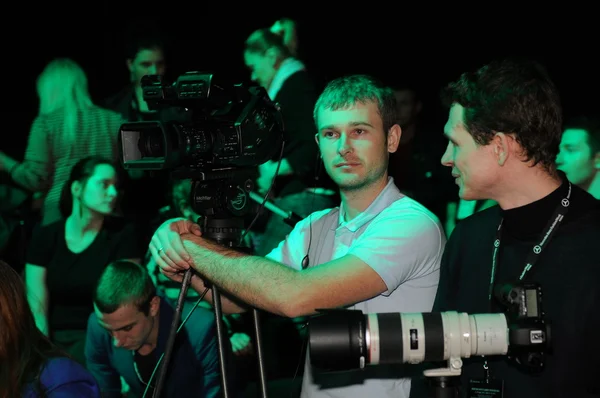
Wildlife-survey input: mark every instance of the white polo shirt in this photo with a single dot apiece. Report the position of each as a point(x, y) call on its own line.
point(403, 242)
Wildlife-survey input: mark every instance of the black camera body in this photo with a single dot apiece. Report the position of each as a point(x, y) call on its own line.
point(205, 126)
point(213, 132)
point(530, 333)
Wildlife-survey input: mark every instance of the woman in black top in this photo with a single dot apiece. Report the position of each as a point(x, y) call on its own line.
point(66, 258)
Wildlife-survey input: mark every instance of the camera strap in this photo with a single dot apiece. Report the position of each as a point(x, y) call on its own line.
point(536, 250)
point(553, 224)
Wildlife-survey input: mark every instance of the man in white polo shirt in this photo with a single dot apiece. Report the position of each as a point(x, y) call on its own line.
point(379, 251)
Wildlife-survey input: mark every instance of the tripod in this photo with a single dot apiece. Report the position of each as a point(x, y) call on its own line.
point(226, 232)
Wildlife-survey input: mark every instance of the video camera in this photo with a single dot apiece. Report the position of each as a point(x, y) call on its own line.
point(209, 126)
point(216, 134)
point(348, 339)
point(213, 132)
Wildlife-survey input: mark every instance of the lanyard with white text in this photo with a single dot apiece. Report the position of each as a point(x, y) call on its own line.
point(534, 253)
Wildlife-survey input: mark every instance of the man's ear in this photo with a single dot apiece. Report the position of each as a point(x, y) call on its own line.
point(502, 144)
point(597, 161)
point(154, 305)
point(393, 138)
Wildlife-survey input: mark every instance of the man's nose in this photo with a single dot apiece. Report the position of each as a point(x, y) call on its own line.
point(118, 339)
point(118, 343)
point(447, 157)
point(344, 144)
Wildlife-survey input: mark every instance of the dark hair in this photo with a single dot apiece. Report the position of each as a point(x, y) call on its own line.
point(591, 125)
point(347, 91)
point(262, 40)
point(138, 37)
point(124, 282)
point(24, 349)
point(81, 172)
point(513, 96)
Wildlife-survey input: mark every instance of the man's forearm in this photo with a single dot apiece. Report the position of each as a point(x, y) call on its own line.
point(227, 306)
point(257, 281)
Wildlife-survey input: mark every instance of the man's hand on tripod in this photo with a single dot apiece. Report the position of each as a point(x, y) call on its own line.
point(167, 248)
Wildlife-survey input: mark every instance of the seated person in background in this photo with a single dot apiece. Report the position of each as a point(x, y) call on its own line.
point(65, 259)
point(128, 332)
point(30, 365)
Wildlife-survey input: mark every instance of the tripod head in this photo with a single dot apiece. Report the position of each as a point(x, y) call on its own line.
point(222, 199)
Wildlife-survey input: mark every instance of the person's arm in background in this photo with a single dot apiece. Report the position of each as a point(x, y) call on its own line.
point(34, 172)
point(39, 254)
point(37, 295)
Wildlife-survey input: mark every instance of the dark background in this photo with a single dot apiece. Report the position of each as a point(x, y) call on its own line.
point(424, 49)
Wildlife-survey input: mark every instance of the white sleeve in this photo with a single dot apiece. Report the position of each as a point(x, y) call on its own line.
point(400, 245)
point(292, 250)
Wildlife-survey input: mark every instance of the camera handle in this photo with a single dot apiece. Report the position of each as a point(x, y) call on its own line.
point(445, 382)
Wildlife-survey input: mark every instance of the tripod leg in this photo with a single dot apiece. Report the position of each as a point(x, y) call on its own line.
point(222, 340)
point(262, 376)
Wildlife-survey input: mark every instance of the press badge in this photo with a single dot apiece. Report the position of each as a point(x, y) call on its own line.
point(486, 388)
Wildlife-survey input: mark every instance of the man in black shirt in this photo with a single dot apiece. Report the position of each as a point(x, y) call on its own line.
point(504, 129)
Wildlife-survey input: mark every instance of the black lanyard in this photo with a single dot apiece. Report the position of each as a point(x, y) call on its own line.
point(534, 253)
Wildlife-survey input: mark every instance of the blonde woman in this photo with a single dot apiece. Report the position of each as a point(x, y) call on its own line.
point(67, 128)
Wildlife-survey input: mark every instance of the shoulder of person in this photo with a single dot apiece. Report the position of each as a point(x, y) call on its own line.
point(59, 372)
point(49, 229)
point(408, 209)
point(317, 219)
point(489, 217)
